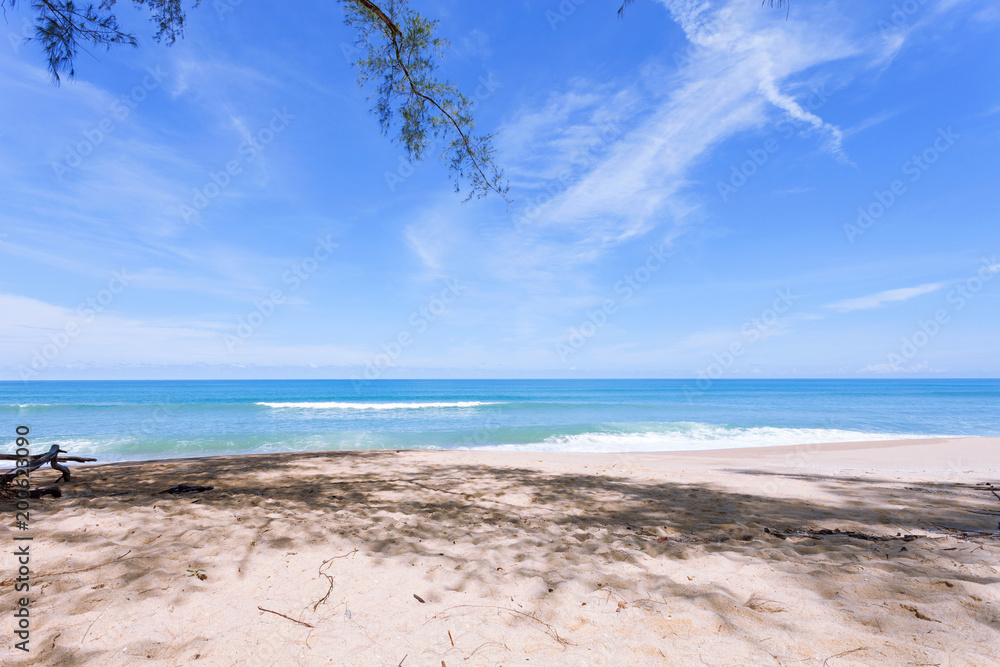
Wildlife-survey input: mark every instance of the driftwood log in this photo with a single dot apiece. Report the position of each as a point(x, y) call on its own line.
point(35, 462)
point(73, 459)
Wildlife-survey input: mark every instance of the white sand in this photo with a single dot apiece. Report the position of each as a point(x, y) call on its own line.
point(551, 559)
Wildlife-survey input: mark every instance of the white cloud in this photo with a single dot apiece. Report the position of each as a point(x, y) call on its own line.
point(880, 299)
point(890, 369)
point(733, 77)
point(430, 238)
point(599, 164)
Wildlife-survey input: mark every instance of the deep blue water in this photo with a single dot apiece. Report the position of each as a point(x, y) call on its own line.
point(119, 420)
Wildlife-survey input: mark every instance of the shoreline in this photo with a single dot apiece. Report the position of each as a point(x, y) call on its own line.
point(839, 554)
point(985, 448)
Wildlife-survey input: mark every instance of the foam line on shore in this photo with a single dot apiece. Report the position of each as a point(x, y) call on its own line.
point(339, 405)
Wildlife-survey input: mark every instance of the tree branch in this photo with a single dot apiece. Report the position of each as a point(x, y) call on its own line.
point(377, 11)
point(451, 119)
point(393, 33)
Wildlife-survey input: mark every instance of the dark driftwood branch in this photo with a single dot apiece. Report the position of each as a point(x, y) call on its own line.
point(186, 488)
point(51, 457)
point(836, 532)
point(72, 459)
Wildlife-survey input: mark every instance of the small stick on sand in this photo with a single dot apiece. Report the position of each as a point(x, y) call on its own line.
point(550, 630)
point(88, 569)
point(326, 563)
point(853, 650)
point(278, 613)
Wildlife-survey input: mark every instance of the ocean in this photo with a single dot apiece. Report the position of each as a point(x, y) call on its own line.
point(137, 420)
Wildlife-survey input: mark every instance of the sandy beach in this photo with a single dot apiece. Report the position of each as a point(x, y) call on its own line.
point(879, 553)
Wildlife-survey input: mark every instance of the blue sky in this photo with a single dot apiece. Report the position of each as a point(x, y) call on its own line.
point(701, 190)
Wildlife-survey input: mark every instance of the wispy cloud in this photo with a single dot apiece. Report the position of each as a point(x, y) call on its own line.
point(898, 369)
point(872, 121)
point(608, 152)
point(880, 299)
point(734, 78)
point(600, 164)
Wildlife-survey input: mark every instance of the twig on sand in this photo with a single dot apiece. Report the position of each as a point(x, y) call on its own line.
point(94, 567)
point(916, 612)
point(329, 590)
point(89, 627)
point(187, 488)
point(836, 532)
point(853, 650)
point(966, 534)
point(498, 644)
point(278, 613)
point(549, 629)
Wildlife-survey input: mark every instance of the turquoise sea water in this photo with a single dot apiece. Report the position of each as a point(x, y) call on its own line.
point(119, 420)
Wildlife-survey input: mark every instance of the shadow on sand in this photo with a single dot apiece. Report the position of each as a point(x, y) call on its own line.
point(490, 523)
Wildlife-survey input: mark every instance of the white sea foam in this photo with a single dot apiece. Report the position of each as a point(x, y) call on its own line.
point(83, 446)
point(334, 405)
point(698, 437)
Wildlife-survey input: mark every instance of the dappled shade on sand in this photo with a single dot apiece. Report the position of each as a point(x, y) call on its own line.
point(492, 558)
